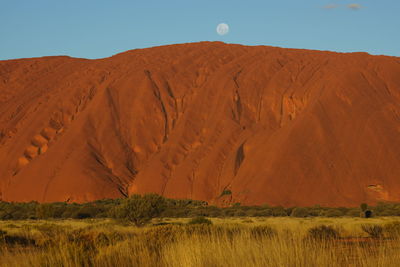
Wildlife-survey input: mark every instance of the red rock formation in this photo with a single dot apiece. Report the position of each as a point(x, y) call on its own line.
point(277, 126)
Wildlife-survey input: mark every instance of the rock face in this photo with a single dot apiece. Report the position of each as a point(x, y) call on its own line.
point(268, 125)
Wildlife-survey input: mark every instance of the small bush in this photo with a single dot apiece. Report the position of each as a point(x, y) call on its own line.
point(2, 235)
point(17, 240)
point(299, 212)
point(367, 214)
point(92, 239)
point(392, 229)
point(141, 209)
point(374, 231)
point(202, 229)
point(200, 220)
point(332, 213)
point(12, 226)
point(45, 211)
point(226, 192)
point(218, 231)
point(353, 213)
point(262, 231)
point(240, 213)
point(157, 237)
point(49, 234)
point(323, 232)
point(85, 212)
point(363, 207)
point(279, 212)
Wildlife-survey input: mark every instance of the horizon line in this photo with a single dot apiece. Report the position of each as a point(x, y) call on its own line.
point(200, 42)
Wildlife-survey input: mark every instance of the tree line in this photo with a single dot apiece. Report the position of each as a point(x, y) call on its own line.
point(150, 206)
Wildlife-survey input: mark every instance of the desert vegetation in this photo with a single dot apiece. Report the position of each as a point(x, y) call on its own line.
point(172, 208)
point(239, 241)
point(151, 230)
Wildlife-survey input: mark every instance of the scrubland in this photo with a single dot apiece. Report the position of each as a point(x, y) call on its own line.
point(239, 241)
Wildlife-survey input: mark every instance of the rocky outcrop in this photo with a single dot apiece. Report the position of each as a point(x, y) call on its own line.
point(271, 125)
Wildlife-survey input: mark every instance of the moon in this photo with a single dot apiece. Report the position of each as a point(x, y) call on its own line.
point(222, 29)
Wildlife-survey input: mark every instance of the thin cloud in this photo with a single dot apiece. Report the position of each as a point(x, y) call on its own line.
point(354, 6)
point(331, 6)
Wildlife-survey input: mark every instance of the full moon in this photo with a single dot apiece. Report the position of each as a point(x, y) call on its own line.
point(222, 29)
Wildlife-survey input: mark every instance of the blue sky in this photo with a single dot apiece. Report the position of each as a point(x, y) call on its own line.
point(101, 28)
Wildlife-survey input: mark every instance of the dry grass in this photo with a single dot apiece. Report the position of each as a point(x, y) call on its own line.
point(228, 242)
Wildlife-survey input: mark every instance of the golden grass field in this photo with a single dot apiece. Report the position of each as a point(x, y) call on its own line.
point(227, 242)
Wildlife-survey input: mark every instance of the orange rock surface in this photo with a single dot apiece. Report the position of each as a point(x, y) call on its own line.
point(272, 125)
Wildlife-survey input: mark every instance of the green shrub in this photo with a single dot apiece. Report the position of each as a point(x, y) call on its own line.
point(200, 220)
point(228, 212)
point(141, 209)
point(279, 212)
point(353, 212)
point(226, 192)
point(186, 208)
point(363, 207)
point(299, 212)
point(240, 213)
point(332, 213)
point(86, 211)
point(323, 232)
point(45, 211)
